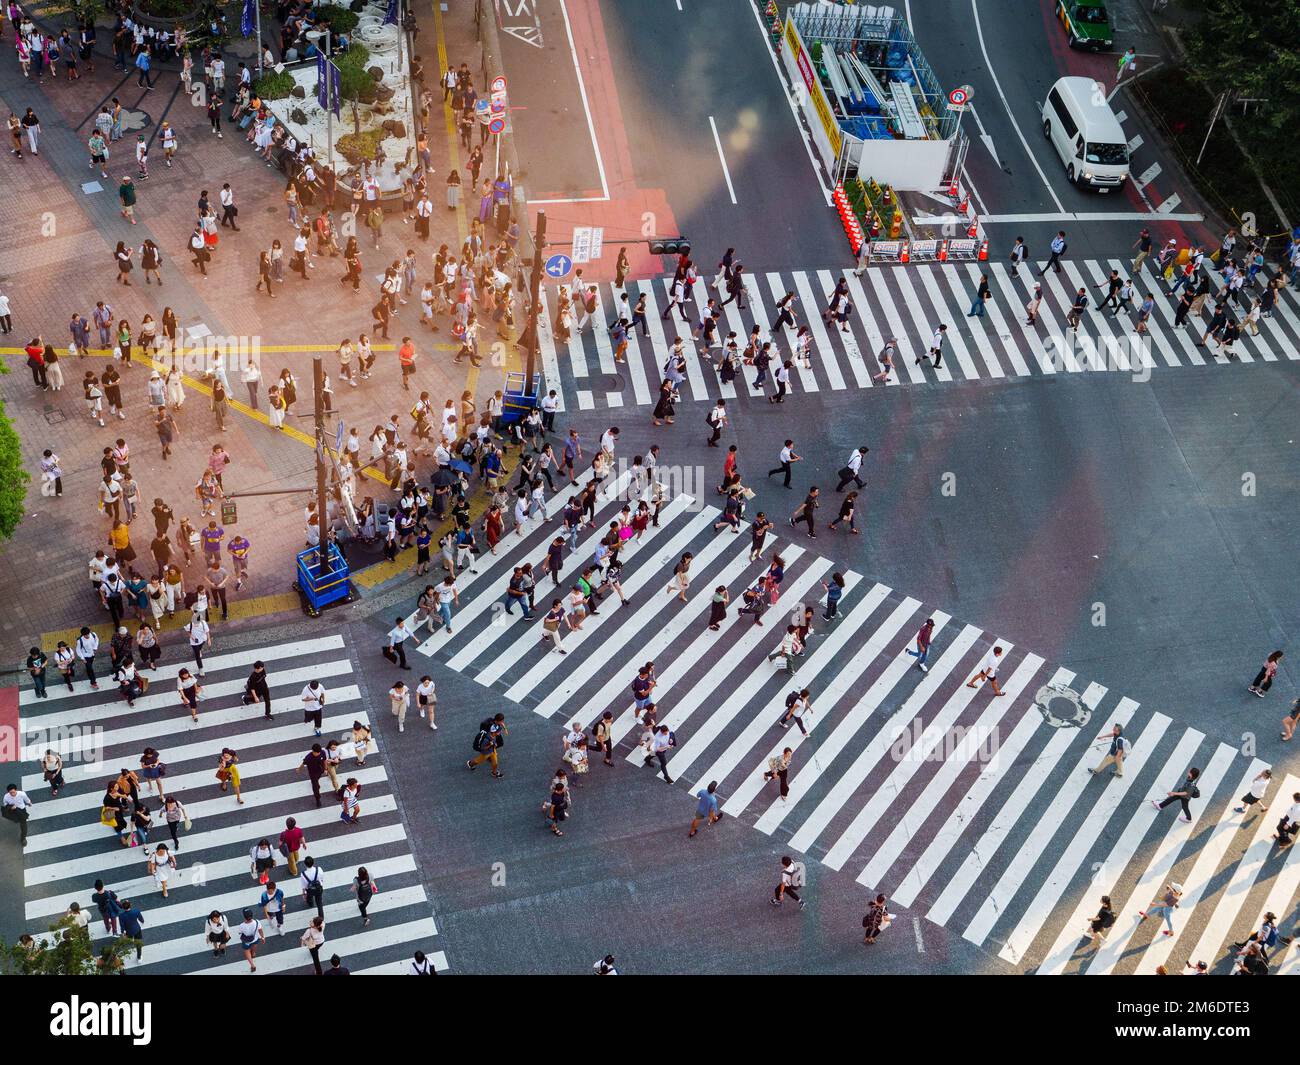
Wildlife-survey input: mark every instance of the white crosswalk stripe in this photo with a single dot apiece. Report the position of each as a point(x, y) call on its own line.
point(908, 303)
point(978, 811)
point(96, 733)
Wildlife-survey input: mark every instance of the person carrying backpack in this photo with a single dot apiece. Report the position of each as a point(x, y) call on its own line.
point(489, 739)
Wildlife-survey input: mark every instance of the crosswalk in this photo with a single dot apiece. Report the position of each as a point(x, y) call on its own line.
point(902, 302)
point(978, 812)
point(97, 733)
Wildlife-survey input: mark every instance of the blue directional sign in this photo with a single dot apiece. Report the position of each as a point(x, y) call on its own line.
point(558, 266)
point(338, 437)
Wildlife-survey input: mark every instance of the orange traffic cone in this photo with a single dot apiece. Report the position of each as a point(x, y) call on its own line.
point(984, 251)
point(964, 205)
point(943, 251)
point(974, 228)
point(903, 255)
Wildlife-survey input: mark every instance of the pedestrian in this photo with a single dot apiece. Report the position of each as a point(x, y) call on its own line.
point(1116, 753)
point(292, 841)
point(834, 593)
point(1128, 61)
point(1032, 304)
point(364, 888)
point(555, 807)
point(32, 125)
point(272, 903)
point(935, 354)
point(706, 809)
point(313, 704)
point(161, 865)
point(681, 576)
point(16, 807)
point(804, 512)
point(922, 652)
point(786, 459)
point(988, 670)
point(126, 196)
point(487, 742)
point(1255, 793)
point(216, 932)
point(86, 646)
point(1184, 795)
point(174, 814)
point(131, 920)
point(200, 637)
point(847, 508)
point(982, 294)
point(1168, 902)
point(1289, 824)
point(228, 772)
point(793, 878)
point(1058, 249)
point(797, 703)
point(1019, 253)
point(251, 936)
point(718, 607)
point(876, 919)
point(717, 421)
point(229, 210)
point(661, 743)
point(313, 938)
point(1143, 246)
point(778, 768)
point(1264, 678)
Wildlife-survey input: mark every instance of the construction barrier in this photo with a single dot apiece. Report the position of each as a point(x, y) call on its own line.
point(928, 251)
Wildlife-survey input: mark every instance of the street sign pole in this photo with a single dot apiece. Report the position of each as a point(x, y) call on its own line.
point(318, 395)
point(534, 298)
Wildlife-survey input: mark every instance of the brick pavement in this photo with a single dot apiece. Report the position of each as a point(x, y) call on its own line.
point(59, 241)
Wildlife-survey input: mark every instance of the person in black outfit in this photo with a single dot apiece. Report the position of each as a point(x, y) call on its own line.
point(256, 688)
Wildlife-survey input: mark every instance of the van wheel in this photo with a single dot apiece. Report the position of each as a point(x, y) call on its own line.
point(1047, 128)
point(1069, 173)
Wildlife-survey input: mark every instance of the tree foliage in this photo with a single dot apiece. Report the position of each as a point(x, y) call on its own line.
point(1252, 50)
point(13, 478)
point(67, 951)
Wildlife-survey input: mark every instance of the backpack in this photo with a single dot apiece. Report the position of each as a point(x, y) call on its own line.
point(1271, 940)
point(483, 738)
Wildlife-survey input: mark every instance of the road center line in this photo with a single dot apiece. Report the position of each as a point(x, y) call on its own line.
point(726, 173)
point(988, 63)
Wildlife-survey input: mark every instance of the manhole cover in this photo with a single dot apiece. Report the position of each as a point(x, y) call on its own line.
point(1062, 706)
point(54, 417)
point(611, 382)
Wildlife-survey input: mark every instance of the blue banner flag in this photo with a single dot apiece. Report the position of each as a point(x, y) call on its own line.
point(246, 18)
point(322, 65)
point(390, 17)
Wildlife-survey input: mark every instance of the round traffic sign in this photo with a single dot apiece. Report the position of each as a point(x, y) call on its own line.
point(499, 83)
point(496, 125)
point(558, 266)
point(958, 97)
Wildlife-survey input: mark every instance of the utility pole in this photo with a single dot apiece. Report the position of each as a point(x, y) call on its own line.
point(534, 296)
point(318, 397)
point(257, 18)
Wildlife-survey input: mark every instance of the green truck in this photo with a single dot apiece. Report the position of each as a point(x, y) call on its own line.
point(1086, 22)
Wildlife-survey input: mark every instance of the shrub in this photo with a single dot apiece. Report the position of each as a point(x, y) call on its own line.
point(357, 147)
point(274, 86)
point(341, 20)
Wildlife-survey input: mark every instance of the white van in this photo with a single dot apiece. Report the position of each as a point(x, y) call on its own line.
point(1085, 133)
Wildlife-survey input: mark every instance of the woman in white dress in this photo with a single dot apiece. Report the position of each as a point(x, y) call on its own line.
point(174, 389)
point(162, 863)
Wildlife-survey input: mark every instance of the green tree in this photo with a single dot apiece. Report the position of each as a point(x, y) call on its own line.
point(13, 478)
point(1253, 51)
point(67, 951)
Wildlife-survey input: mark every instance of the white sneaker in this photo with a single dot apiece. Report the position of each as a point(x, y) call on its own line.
point(422, 712)
point(432, 725)
point(401, 726)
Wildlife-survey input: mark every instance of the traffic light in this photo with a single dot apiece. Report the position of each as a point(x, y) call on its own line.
point(670, 246)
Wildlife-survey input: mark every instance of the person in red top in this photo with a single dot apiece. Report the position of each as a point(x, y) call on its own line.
point(923, 645)
point(729, 476)
point(291, 842)
point(406, 356)
point(36, 360)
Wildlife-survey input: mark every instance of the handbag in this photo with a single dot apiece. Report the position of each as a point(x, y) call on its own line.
point(390, 654)
point(108, 817)
point(188, 823)
point(223, 775)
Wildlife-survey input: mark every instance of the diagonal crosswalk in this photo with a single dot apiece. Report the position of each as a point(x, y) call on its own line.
point(97, 733)
point(979, 812)
point(907, 303)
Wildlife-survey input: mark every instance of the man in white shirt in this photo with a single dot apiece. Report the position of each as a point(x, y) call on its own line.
point(989, 671)
point(87, 645)
point(217, 68)
point(313, 704)
point(793, 877)
point(397, 638)
point(786, 458)
point(200, 636)
point(228, 208)
point(852, 467)
point(550, 404)
point(15, 806)
point(399, 698)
